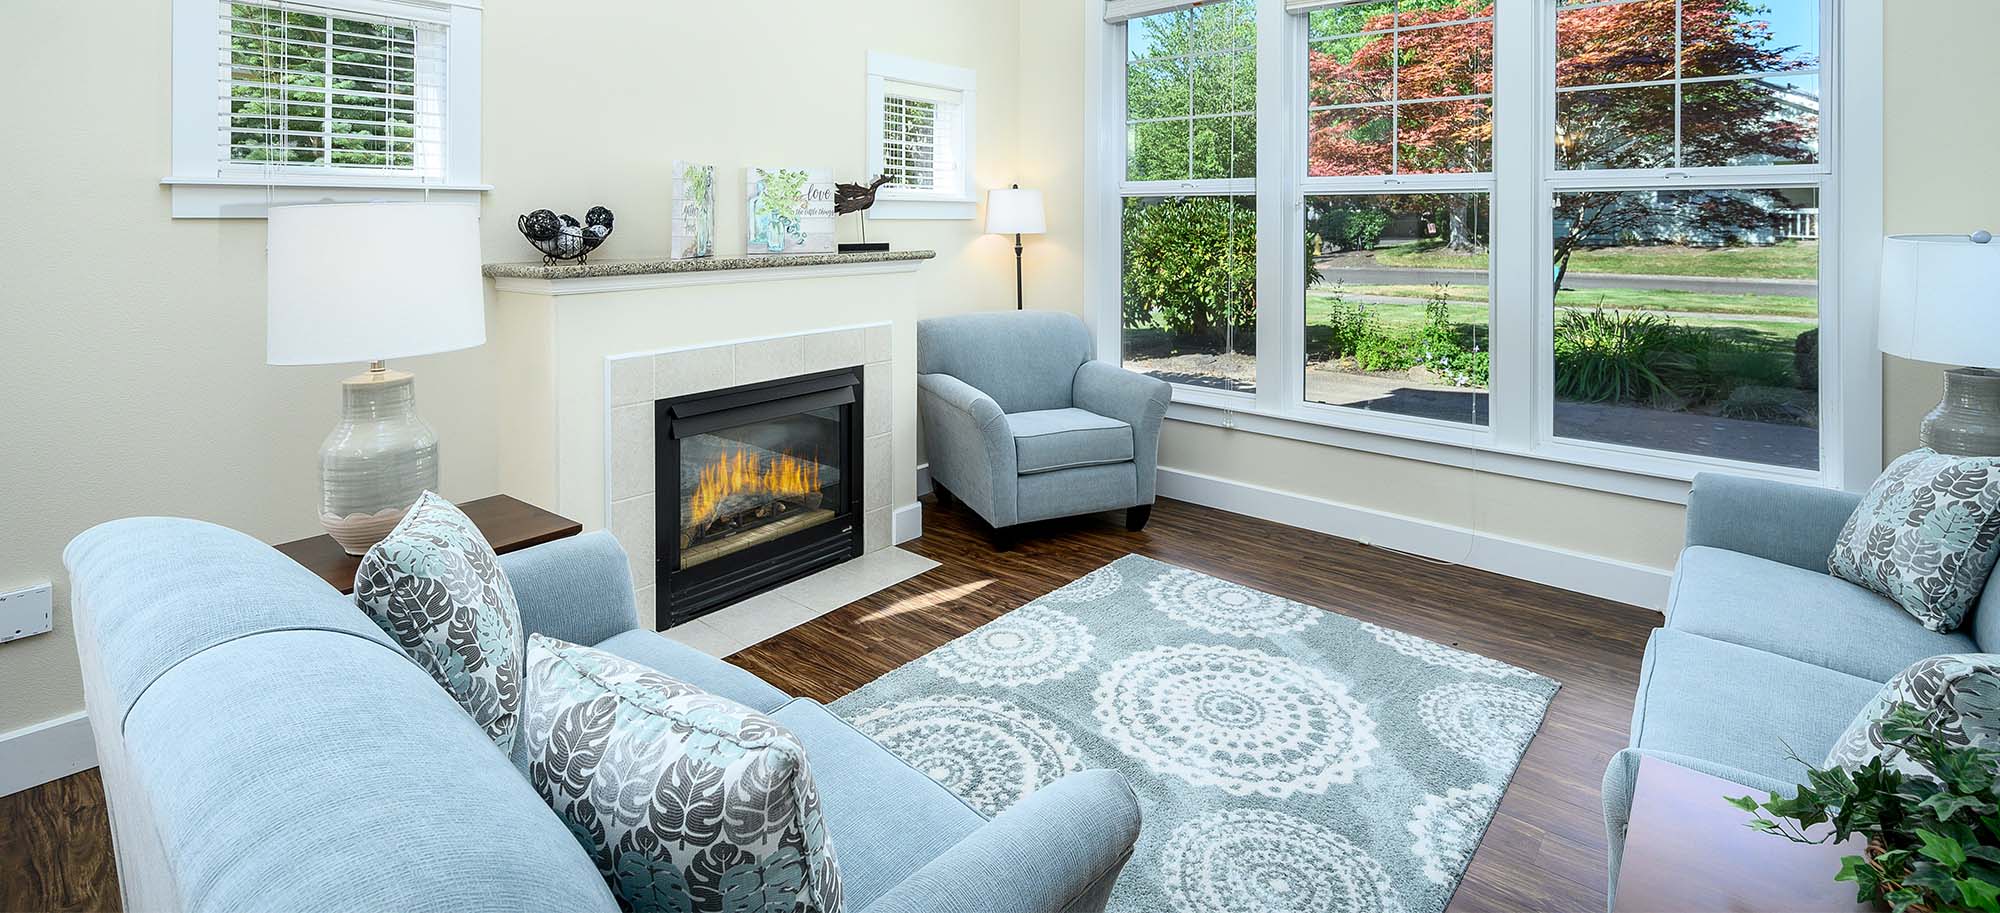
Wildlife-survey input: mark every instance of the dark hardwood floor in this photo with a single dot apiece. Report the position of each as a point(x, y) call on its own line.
point(1545, 850)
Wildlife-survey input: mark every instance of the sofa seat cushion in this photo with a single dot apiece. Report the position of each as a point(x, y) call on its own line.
point(1733, 705)
point(1806, 615)
point(1050, 439)
point(887, 818)
point(680, 661)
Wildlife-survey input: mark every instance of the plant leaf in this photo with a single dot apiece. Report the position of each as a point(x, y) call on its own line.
point(1944, 850)
point(1979, 895)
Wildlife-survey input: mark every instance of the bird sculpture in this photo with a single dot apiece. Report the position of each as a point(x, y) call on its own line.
point(856, 197)
point(562, 237)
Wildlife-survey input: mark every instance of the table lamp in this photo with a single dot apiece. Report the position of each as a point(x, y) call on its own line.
point(1941, 303)
point(367, 282)
point(1015, 212)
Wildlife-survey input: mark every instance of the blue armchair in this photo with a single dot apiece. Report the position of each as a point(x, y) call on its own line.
point(1021, 425)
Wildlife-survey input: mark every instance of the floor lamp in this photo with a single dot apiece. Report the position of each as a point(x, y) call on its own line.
point(1015, 212)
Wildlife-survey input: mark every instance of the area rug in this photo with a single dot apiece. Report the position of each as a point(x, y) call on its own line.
point(1286, 758)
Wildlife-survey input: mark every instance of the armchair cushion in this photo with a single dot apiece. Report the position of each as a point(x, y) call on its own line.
point(1049, 439)
point(1801, 614)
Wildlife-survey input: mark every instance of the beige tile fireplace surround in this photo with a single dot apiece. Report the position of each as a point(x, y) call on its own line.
point(634, 381)
point(584, 361)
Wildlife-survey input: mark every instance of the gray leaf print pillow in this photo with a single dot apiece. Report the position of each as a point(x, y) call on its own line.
point(1925, 535)
point(436, 587)
point(688, 801)
point(1958, 695)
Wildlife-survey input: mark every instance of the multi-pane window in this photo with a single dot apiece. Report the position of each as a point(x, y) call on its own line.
point(312, 87)
point(1191, 94)
point(1397, 297)
point(921, 139)
point(1400, 87)
point(1686, 83)
point(1675, 158)
point(1188, 278)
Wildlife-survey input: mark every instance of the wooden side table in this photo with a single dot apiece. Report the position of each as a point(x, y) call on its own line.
point(1687, 850)
point(508, 525)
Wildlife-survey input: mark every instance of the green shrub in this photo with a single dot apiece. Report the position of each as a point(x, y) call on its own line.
point(1348, 229)
point(1620, 356)
point(1191, 266)
point(1446, 349)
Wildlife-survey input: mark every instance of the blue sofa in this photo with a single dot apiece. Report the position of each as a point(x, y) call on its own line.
point(1021, 425)
point(265, 747)
point(1762, 648)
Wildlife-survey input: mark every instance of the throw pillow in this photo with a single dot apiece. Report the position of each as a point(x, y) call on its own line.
point(1925, 535)
point(687, 800)
point(436, 587)
point(1958, 695)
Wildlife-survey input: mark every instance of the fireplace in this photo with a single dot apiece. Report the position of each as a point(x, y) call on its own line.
point(758, 485)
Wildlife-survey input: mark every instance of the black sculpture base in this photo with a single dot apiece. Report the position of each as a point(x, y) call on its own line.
point(864, 247)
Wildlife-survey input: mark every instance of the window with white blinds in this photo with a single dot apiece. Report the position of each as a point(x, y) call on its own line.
point(920, 136)
point(317, 87)
point(920, 130)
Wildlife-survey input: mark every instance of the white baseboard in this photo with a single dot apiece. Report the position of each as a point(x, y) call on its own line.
point(51, 750)
point(907, 523)
point(1607, 578)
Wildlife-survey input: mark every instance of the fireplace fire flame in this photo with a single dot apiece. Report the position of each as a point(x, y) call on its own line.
point(749, 472)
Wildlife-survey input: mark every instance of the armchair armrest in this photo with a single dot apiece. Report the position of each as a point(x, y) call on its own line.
point(577, 589)
point(1133, 398)
point(1059, 851)
point(1780, 521)
point(971, 449)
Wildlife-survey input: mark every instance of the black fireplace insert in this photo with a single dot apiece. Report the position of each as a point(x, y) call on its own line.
point(759, 485)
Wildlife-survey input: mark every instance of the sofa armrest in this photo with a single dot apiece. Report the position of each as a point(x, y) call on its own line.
point(970, 446)
point(1133, 398)
point(1059, 851)
point(577, 589)
point(1788, 523)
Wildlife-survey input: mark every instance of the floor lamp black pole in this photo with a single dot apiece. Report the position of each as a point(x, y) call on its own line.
point(1020, 296)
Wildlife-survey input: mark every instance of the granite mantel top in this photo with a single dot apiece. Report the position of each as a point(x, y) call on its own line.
point(602, 269)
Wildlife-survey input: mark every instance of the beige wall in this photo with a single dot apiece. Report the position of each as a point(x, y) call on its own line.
point(131, 350)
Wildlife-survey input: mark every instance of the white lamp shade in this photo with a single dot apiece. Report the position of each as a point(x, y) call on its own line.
point(354, 282)
point(1015, 212)
point(1941, 300)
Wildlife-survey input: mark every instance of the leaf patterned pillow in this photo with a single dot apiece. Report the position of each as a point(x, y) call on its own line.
point(1925, 535)
point(436, 587)
point(688, 801)
point(1958, 695)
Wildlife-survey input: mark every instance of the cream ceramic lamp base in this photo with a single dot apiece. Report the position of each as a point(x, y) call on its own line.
point(377, 461)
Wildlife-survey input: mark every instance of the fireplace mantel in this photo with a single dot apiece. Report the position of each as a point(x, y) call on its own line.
point(533, 278)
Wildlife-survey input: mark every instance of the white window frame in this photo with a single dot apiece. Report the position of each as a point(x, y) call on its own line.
point(960, 203)
point(1518, 440)
point(204, 187)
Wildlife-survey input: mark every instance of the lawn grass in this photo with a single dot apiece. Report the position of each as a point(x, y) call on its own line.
point(1625, 299)
point(1767, 335)
point(1783, 260)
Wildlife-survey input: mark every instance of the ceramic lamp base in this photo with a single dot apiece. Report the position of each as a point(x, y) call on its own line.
point(377, 461)
point(1967, 421)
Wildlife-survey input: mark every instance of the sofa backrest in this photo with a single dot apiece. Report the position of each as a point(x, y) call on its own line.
point(1985, 622)
point(1025, 360)
point(265, 747)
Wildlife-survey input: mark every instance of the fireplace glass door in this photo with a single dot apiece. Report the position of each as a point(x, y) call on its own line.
point(757, 483)
point(765, 488)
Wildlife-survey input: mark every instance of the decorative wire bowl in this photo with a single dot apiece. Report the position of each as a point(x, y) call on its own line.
point(570, 241)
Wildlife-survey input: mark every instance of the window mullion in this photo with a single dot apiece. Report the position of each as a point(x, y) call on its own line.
point(1280, 115)
point(1519, 208)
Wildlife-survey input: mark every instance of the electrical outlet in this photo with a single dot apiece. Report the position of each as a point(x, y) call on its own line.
point(25, 612)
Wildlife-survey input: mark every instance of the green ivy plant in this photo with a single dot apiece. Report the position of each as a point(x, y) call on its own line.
point(1933, 842)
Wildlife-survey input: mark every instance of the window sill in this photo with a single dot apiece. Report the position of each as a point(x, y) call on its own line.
point(252, 198)
point(887, 209)
point(1613, 470)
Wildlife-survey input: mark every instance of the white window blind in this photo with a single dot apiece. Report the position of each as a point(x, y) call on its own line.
point(316, 87)
point(921, 130)
point(1116, 11)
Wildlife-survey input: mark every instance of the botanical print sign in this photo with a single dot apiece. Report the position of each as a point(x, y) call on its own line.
point(791, 211)
point(694, 211)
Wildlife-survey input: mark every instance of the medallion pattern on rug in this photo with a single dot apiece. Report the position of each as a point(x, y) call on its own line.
point(1286, 758)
